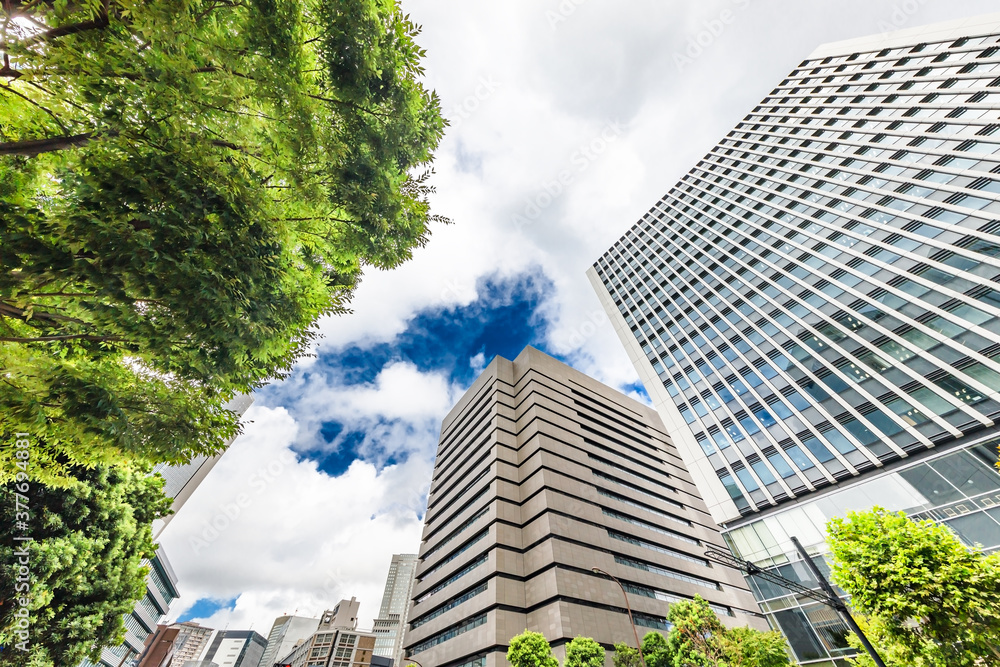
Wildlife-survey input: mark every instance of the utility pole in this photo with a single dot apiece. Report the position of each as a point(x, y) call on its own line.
point(827, 597)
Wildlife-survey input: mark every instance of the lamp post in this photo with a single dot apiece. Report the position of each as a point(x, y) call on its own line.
point(405, 660)
point(635, 632)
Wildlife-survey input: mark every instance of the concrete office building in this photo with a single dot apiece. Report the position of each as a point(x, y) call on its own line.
point(336, 642)
point(542, 474)
point(814, 307)
point(287, 633)
point(180, 481)
point(191, 642)
point(391, 621)
point(235, 648)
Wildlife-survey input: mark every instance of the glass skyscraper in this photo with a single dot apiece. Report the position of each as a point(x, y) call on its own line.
point(815, 309)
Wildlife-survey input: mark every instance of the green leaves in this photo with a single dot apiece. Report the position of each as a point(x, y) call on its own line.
point(699, 639)
point(530, 649)
point(87, 570)
point(929, 599)
point(185, 188)
point(626, 656)
point(584, 652)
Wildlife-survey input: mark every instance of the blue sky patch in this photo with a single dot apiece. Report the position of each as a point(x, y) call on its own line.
point(205, 607)
point(503, 320)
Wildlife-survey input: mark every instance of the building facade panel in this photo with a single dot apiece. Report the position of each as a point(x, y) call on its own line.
point(567, 474)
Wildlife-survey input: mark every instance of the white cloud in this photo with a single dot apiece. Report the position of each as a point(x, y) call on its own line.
point(279, 535)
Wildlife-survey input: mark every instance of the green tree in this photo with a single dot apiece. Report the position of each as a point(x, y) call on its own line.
point(584, 652)
point(626, 656)
point(85, 562)
point(699, 639)
point(656, 650)
point(530, 649)
point(695, 636)
point(746, 647)
point(929, 600)
point(185, 187)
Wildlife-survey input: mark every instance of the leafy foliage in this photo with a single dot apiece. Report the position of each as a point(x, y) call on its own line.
point(656, 651)
point(530, 649)
point(185, 187)
point(89, 541)
point(746, 647)
point(626, 656)
point(699, 639)
point(584, 652)
point(929, 600)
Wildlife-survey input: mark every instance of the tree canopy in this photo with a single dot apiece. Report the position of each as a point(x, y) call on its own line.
point(530, 649)
point(185, 187)
point(699, 639)
point(656, 651)
point(584, 652)
point(626, 656)
point(86, 562)
point(927, 599)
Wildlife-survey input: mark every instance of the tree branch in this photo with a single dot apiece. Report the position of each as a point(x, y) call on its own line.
point(38, 146)
point(48, 339)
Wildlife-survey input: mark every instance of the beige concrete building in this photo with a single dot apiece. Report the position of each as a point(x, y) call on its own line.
point(191, 642)
point(543, 474)
point(336, 642)
point(334, 647)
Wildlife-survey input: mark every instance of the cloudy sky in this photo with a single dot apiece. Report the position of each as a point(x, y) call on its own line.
point(569, 119)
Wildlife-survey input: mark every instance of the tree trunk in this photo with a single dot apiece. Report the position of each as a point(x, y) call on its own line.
point(39, 146)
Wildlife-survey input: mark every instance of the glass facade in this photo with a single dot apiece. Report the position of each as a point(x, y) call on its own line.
point(818, 297)
point(960, 488)
point(814, 308)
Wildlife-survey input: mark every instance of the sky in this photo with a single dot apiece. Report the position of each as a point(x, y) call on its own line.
point(569, 120)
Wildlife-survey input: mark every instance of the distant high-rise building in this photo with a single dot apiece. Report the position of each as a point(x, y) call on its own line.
point(286, 634)
point(180, 481)
point(391, 621)
point(336, 642)
point(192, 641)
point(235, 648)
point(814, 308)
point(343, 615)
point(543, 474)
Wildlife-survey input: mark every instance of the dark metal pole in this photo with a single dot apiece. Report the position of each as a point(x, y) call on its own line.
point(838, 603)
point(635, 632)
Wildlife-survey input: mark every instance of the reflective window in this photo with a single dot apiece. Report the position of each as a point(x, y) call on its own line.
point(734, 491)
point(763, 473)
point(780, 465)
point(966, 473)
point(930, 484)
point(818, 450)
point(749, 483)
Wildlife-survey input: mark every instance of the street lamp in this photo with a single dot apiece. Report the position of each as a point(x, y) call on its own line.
point(405, 660)
point(635, 632)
